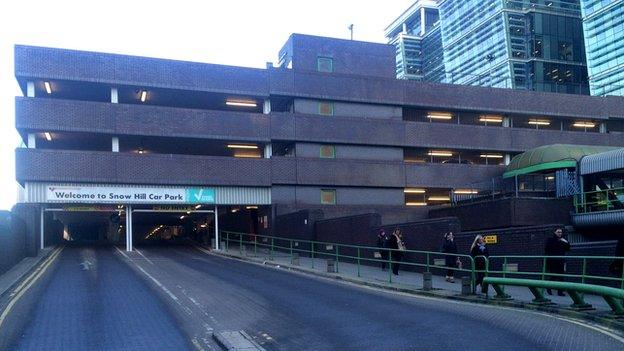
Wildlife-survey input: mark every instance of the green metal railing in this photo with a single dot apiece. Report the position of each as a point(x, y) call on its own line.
point(599, 201)
point(356, 254)
point(509, 266)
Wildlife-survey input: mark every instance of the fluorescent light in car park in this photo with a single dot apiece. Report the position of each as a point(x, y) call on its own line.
point(141, 151)
point(197, 207)
point(439, 198)
point(491, 156)
point(48, 136)
point(440, 153)
point(182, 217)
point(48, 88)
point(539, 122)
point(241, 103)
point(584, 124)
point(414, 191)
point(241, 146)
point(465, 192)
point(251, 207)
point(550, 178)
point(416, 204)
point(143, 95)
point(491, 119)
point(440, 115)
point(247, 155)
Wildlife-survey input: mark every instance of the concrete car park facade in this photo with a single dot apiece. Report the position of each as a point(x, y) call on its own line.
point(329, 127)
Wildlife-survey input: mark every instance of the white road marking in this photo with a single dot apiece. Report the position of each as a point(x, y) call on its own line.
point(159, 284)
point(145, 257)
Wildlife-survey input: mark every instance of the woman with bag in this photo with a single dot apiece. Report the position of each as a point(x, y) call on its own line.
point(451, 261)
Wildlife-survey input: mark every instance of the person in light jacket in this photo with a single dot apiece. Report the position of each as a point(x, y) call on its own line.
point(397, 245)
point(382, 244)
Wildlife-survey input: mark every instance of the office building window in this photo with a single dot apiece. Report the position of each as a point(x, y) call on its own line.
point(328, 151)
point(325, 64)
point(328, 196)
point(326, 108)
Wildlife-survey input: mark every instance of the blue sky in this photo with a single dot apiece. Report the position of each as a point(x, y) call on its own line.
point(243, 33)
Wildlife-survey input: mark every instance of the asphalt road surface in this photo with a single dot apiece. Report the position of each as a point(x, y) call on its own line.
point(173, 298)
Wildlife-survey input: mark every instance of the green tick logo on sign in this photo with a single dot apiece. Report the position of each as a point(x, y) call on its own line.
point(200, 195)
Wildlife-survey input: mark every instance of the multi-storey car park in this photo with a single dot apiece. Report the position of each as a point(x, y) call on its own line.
point(119, 147)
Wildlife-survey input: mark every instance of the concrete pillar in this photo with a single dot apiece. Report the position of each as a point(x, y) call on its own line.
point(32, 141)
point(216, 223)
point(507, 159)
point(266, 107)
point(427, 281)
point(128, 228)
point(602, 127)
point(115, 144)
point(42, 229)
point(114, 96)
point(30, 89)
point(268, 150)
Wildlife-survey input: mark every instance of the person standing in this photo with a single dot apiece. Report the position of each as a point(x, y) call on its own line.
point(382, 244)
point(479, 252)
point(397, 245)
point(451, 261)
point(556, 245)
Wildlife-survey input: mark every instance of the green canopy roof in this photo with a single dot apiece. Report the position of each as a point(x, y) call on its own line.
point(549, 157)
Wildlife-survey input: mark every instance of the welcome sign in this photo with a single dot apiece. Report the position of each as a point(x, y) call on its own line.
point(129, 195)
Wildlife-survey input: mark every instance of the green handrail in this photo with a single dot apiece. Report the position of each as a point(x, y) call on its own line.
point(358, 254)
point(602, 200)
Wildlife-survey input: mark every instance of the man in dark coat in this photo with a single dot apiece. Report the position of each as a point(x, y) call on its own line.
point(382, 244)
point(556, 245)
point(451, 261)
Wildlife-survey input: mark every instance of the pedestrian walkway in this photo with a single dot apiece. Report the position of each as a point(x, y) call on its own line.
point(406, 279)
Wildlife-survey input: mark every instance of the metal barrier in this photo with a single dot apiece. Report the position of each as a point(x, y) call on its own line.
point(599, 201)
point(612, 296)
point(356, 254)
point(514, 266)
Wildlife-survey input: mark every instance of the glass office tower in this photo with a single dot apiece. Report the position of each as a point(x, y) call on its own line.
point(603, 23)
point(521, 44)
point(418, 40)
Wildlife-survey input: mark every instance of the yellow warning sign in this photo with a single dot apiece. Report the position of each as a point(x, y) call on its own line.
point(491, 239)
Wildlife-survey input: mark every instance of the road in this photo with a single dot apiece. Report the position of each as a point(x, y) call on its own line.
point(172, 298)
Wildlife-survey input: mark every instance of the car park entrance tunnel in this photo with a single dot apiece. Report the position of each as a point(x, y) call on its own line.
point(142, 214)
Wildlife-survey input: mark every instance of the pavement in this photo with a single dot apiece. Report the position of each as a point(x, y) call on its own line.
point(177, 297)
point(406, 280)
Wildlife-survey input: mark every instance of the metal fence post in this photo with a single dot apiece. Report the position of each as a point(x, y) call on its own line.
point(584, 270)
point(337, 259)
point(544, 268)
point(227, 242)
point(427, 258)
point(256, 245)
point(291, 251)
point(272, 248)
point(240, 243)
point(390, 266)
point(312, 255)
point(358, 262)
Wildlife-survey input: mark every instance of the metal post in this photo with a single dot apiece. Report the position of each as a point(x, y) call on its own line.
point(337, 259)
point(427, 258)
point(516, 182)
point(291, 251)
point(358, 265)
point(584, 270)
point(42, 230)
point(227, 242)
point(544, 269)
point(240, 243)
point(312, 254)
point(390, 266)
point(272, 245)
point(216, 223)
point(128, 228)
